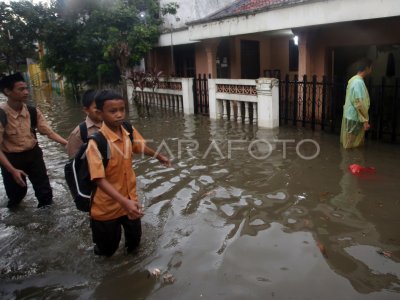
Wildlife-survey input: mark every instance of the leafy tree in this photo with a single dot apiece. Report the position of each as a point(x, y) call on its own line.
point(87, 41)
point(17, 35)
point(97, 41)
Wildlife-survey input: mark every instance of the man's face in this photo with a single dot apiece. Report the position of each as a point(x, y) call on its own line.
point(113, 112)
point(19, 92)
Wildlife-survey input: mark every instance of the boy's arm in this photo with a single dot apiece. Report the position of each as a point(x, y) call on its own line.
point(58, 138)
point(132, 208)
point(139, 146)
point(45, 129)
point(161, 158)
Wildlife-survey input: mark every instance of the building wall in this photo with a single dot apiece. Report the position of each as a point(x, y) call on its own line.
point(280, 54)
point(160, 59)
point(235, 58)
point(265, 55)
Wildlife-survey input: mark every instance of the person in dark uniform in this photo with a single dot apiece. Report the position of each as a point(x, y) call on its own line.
point(20, 154)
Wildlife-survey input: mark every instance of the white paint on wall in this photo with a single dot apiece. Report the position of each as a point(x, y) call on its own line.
point(308, 14)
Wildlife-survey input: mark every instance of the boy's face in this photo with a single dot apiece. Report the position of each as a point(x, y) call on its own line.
point(113, 112)
point(93, 113)
point(19, 92)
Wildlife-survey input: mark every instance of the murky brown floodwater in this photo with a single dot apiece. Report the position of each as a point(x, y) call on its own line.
point(225, 228)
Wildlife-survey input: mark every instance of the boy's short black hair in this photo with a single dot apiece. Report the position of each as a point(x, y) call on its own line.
point(7, 82)
point(105, 95)
point(88, 97)
point(363, 64)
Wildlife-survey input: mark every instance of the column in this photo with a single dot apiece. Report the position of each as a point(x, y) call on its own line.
point(187, 96)
point(246, 113)
point(268, 102)
point(254, 113)
point(214, 105)
point(239, 111)
point(225, 113)
point(232, 110)
point(304, 54)
point(211, 48)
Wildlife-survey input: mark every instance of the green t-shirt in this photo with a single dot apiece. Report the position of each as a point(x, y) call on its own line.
point(356, 89)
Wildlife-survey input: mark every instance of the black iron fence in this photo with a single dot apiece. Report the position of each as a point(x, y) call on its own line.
point(200, 94)
point(319, 105)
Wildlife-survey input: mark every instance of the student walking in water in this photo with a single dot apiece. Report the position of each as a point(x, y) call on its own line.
point(20, 153)
point(85, 129)
point(115, 202)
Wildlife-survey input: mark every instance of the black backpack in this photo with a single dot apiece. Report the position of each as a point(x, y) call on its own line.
point(32, 112)
point(76, 170)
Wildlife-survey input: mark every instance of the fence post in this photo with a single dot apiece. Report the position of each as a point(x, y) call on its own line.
point(201, 93)
point(314, 100)
point(187, 96)
point(323, 115)
point(295, 99)
point(304, 100)
point(213, 105)
point(268, 102)
point(195, 95)
point(286, 98)
point(129, 90)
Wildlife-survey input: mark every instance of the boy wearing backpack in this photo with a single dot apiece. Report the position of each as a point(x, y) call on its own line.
point(115, 202)
point(85, 129)
point(20, 154)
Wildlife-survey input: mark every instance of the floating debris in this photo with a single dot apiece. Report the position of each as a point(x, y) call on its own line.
point(322, 249)
point(357, 169)
point(385, 253)
point(168, 278)
point(154, 273)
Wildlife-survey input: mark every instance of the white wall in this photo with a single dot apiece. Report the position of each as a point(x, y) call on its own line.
point(190, 10)
point(307, 14)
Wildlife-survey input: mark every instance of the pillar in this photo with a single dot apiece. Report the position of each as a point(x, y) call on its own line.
point(267, 102)
point(187, 96)
point(304, 55)
point(211, 48)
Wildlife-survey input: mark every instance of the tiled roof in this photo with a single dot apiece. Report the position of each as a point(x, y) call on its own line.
point(241, 7)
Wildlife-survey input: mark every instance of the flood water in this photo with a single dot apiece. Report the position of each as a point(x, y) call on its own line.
point(226, 222)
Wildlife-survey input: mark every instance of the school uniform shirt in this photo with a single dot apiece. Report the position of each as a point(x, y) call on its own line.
point(74, 139)
point(119, 172)
point(17, 135)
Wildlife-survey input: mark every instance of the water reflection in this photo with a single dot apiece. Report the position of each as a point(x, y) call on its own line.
point(226, 227)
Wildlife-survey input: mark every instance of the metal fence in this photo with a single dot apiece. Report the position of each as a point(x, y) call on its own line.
point(319, 105)
point(200, 94)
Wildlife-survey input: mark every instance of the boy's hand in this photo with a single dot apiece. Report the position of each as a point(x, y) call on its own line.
point(164, 160)
point(366, 126)
point(133, 209)
point(19, 176)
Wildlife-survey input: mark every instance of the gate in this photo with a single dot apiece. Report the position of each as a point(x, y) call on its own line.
point(319, 105)
point(200, 94)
